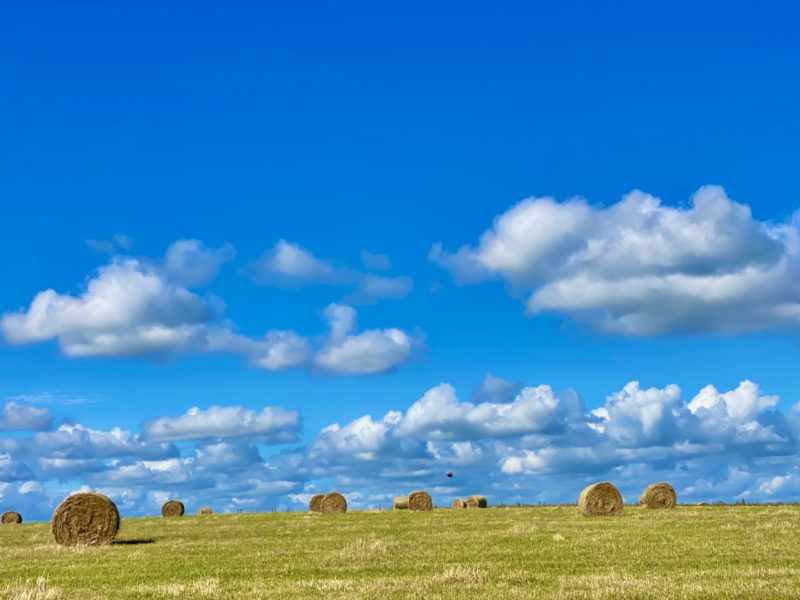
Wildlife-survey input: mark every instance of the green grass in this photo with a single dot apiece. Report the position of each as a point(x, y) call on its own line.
point(545, 552)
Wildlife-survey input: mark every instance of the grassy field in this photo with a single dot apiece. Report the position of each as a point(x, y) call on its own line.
point(543, 552)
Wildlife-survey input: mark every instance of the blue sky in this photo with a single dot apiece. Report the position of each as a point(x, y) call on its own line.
point(246, 157)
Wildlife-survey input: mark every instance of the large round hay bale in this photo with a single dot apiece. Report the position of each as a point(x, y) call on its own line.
point(400, 503)
point(205, 510)
point(477, 502)
point(459, 503)
point(85, 519)
point(658, 495)
point(315, 504)
point(420, 500)
point(10, 517)
point(333, 503)
point(172, 508)
point(600, 499)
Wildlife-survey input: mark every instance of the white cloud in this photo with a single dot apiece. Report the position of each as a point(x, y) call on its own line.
point(225, 455)
point(362, 438)
point(12, 469)
point(552, 459)
point(742, 415)
point(127, 309)
point(438, 415)
point(118, 242)
point(269, 425)
point(371, 288)
point(741, 404)
point(641, 268)
point(24, 416)
point(51, 398)
point(163, 472)
point(495, 389)
point(134, 308)
point(76, 441)
point(376, 262)
point(68, 468)
point(276, 351)
point(340, 352)
point(190, 263)
point(774, 484)
point(638, 417)
point(372, 351)
point(288, 264)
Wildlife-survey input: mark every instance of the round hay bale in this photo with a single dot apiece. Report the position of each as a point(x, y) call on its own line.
point(400, 503)
point(459, 503)
point(477, 502)
point(205, 510)
point(85, 519)
point(172, 508)
point(315, 504)
point(600, 499)
point(10, 517)
point(420, 500)
point(333, 503)
point(658, 495)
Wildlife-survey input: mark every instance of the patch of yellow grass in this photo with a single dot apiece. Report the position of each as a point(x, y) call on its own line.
point(523, 528)
point(364, 548)
point(461, 575)
point(38, 590)
point(181, 589)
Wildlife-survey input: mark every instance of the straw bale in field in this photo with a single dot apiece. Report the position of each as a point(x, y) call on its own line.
point(172, 508)
point(420, 500)
point(600, 499)
point(658, 495)
point(85, 519)
point(10, 517)
point(477, 502)
point(333, 503)
point(315, 504)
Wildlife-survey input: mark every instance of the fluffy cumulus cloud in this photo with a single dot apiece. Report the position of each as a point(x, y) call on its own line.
point(270, 425)
point(439, 415)
point(134, 307)
point(288, 264)
point(341, 351)
point(190, 263)
point(639, 267)
point(277, 350)
point(77, 441)
point(129, 308)
point(23, 416)
point(372, 351)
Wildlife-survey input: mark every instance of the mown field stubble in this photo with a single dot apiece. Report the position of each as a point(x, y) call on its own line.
point(541, 552)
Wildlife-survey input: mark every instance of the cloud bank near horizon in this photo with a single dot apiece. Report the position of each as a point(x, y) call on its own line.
point(532, 445)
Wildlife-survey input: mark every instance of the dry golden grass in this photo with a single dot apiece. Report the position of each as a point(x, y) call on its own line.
point(498, 553)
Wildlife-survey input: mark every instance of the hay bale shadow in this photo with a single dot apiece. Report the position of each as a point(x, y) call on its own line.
point(134, 542)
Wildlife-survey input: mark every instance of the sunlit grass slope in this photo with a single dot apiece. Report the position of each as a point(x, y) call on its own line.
point(543, 552)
